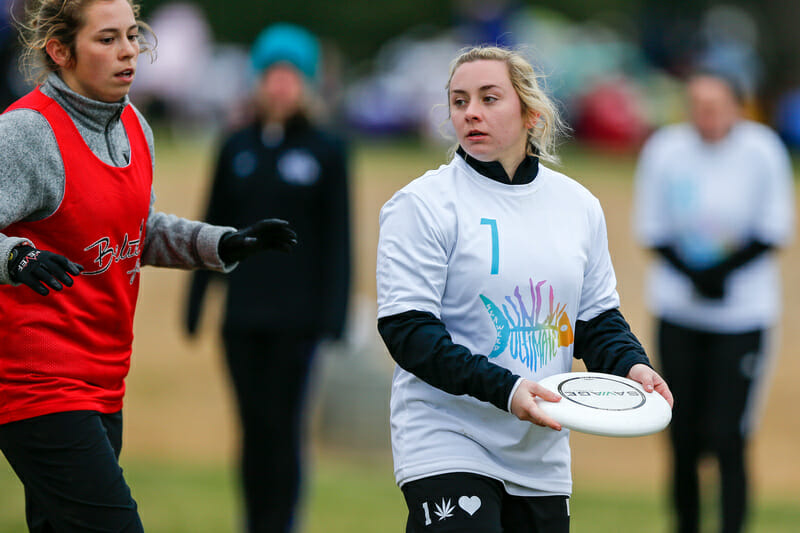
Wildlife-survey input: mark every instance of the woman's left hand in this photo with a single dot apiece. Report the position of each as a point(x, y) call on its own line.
point(651, 381)
point(524, 407)
point(267, 234)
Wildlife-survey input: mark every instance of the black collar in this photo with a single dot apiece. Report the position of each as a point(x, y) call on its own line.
point(295, 126)
point(525, 173)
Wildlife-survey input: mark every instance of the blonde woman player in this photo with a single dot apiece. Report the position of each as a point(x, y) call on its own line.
point(493, 272)
point(76, 224)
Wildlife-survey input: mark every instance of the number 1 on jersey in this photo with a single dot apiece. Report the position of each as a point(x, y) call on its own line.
point(427, 513)
point(495, 244)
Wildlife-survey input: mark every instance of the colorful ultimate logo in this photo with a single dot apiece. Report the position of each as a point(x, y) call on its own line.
point(531, 338)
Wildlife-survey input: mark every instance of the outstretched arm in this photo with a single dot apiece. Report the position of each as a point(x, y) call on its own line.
point(267, 234)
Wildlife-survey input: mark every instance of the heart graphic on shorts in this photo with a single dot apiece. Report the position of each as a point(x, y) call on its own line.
point(470, 505)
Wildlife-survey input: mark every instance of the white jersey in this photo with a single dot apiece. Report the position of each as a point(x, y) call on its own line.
point(508, 269)
point(707, 200)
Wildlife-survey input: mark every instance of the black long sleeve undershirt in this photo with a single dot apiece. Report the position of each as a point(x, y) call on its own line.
point(420, 344)
point(607, 344)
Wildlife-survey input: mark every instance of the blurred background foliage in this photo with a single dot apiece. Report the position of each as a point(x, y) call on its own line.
point(362, 26)
point(615, 66)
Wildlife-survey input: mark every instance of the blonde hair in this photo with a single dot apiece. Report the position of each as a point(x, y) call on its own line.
point(60, 20)
point(543, 136)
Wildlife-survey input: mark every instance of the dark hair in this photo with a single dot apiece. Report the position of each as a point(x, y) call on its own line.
point(733, 82)
point(60, 20)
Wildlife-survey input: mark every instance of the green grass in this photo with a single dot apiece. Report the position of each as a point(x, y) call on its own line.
point(596, 510)
point(349, 495)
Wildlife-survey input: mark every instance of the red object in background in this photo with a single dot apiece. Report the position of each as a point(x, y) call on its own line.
point(610, 115)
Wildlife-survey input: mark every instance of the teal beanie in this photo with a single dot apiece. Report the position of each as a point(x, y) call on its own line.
point(286, 42)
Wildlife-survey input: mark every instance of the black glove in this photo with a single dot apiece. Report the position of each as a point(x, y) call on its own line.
point(710, 282)
point(33, 267)
point(267, 234)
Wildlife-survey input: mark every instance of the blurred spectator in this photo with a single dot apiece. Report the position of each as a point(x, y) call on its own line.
point(6, 53)
point(404, 89)
point(10, 86)
point(279, 309)
point(486, 22)
point(668, 34)
point(714, 199)
point(215, 76)
point(608, 90)
point(787, 117)
point(163, 85)
point(729, 41)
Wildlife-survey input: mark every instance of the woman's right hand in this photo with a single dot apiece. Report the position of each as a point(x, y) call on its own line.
point(39, 269)
point(524, 407)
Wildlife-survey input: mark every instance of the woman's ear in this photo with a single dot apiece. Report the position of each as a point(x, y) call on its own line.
point(58, 52)
point(532, 119)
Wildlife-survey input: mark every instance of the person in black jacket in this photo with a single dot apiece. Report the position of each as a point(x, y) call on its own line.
point(279, 309)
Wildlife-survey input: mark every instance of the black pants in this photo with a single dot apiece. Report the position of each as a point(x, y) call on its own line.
point(269, 374)
point(471, 503)
point(68, 464)
point(711, 376)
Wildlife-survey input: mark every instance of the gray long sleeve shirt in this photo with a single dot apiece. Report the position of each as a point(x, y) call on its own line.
point(32, 179)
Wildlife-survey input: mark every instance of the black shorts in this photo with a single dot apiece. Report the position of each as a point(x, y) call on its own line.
point(467, 503)
point(68, 464)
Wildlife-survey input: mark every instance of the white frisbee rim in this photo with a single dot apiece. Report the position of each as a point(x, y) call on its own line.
point(650, 416)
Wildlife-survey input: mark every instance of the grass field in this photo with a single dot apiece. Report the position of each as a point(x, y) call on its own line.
point(349, 495)
point(180, 434)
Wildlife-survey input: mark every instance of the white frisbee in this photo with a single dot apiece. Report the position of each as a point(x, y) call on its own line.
point(604, 404)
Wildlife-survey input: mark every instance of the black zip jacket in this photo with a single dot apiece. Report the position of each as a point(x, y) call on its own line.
point(300, 176)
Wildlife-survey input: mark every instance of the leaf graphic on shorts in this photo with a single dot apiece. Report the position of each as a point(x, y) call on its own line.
point(445, 510)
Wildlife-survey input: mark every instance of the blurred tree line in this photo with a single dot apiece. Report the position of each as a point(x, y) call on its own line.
point(358, 27)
